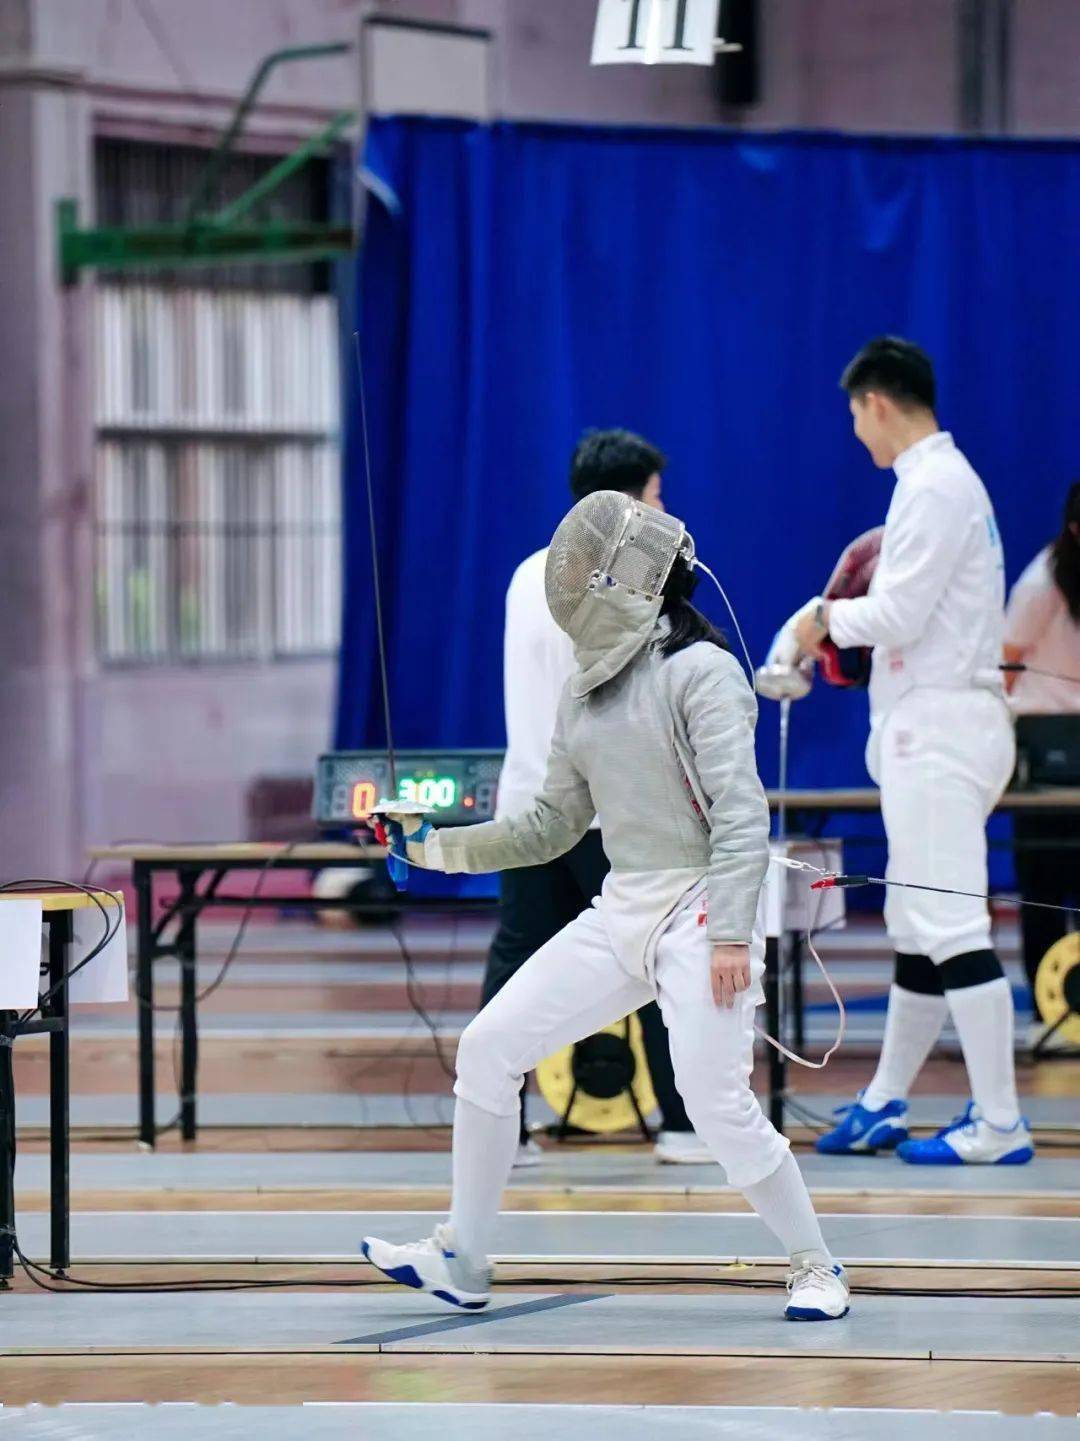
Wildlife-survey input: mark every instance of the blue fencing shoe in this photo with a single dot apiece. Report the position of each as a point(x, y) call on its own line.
point(862, 1132)
point(972, 1141)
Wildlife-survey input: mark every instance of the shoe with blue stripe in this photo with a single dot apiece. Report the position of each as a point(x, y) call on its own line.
point(971, 1140)
point(863, 1132)
point(817, 1293)
point(432, 1266)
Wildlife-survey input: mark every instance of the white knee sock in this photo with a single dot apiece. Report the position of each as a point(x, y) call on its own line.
point(484, 1147)
point(783, 1203)
point(912, 1025)
point(983, 1017)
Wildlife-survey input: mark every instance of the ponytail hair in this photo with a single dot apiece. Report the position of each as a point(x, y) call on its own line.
point(1065, 553)
point(688, 625)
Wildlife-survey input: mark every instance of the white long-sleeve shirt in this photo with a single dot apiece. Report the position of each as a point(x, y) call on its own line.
point(1039, 626)
point(538, 660)
point(934, 614)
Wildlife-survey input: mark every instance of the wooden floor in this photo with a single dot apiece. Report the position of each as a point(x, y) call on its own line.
point(371, 1066)
point(643, 1380)
point(320, 1065)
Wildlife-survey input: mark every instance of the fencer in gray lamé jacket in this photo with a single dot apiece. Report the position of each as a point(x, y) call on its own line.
point(662, 750)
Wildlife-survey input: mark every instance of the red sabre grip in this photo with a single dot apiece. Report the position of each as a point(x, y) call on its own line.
point(827, 883)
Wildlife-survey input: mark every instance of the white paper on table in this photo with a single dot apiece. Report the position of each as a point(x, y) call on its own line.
point(105, 979)
point(20, 954)
point(655, 32)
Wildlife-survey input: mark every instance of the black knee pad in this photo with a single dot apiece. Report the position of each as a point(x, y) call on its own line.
point(918, 974)
point(973, 968)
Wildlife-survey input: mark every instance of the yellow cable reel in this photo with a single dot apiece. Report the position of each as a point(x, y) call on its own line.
point(598, 1113)
point(1057, 987)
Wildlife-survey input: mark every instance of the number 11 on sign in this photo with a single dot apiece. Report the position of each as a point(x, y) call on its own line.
point(655, 32)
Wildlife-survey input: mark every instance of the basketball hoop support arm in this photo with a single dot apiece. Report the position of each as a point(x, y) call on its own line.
point(202, 239)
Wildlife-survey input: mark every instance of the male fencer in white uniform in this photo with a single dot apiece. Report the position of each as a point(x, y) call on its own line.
point(655, 735)
point(941, 750)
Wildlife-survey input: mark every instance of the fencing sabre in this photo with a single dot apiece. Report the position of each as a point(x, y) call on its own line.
point(397, 865)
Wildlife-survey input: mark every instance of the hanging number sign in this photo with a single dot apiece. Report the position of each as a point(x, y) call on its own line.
point(655, 32)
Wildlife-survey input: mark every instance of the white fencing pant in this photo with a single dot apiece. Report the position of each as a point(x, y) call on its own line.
point(942, 759)
point(576, 985)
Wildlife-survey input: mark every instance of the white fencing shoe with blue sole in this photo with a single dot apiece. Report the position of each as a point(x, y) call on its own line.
point(972, 1141)
point(431, 1266)
point(817, 1293)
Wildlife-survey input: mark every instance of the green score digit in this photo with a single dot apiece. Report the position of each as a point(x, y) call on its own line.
point(435, 792)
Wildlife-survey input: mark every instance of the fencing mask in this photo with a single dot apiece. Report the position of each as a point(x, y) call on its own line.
point(606, 569)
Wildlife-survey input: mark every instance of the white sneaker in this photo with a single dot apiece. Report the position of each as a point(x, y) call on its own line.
point(682, 1148)
point(971, 1141)
point(817, 1293)
point(528, 1153)
point(432, 1266)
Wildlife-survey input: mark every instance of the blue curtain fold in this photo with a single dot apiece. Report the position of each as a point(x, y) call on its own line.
point(519, 282)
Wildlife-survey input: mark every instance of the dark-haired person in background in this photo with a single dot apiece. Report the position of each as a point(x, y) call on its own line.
point(538, 659)
point(942, 750)
point(1042, 630)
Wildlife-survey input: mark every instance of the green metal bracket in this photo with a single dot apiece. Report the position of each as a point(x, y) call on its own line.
point(166, 247)
point(216, 239)
point(277, 57)
point(282, 171)
point(67, 232)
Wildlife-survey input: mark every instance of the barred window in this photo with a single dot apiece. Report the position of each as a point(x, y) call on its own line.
point(217, 460)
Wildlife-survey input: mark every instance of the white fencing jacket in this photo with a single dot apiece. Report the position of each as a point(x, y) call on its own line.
point(935, 611)
point(538, 660)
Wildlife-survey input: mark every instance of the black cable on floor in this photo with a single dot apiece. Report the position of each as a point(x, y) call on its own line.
point(73, 1285)
point(412, 991)
point(413, 994)
point(45, 1279)
point(808, 1117)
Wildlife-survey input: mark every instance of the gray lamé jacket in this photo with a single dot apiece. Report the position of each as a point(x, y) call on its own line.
point(662, 750)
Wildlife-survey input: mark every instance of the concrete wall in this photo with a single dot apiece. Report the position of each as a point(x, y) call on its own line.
point(92, 754)
point(173, 750)
point(1044, 89)
point(860, 65)
point(42, 492)
point(886, 65)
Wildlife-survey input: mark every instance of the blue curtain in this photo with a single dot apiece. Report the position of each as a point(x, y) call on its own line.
point(520, 282)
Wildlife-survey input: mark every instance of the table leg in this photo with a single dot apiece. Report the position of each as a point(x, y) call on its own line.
point(189, 1034)
point(143, 879)
point(60, 937)
point(777, 1063)
point(7, 1150)
point(798, 1003)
